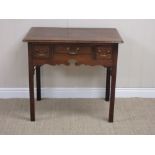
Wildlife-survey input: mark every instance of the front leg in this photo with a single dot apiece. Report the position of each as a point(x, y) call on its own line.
point(112, 97)
point(31, 91)
point(31, 83)
point(113, 83)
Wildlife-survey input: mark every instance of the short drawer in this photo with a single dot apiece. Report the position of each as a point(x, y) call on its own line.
point(72, 49)
point(41, 51)
point(103, 52)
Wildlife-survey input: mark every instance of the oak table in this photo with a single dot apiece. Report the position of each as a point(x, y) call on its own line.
point(90, 46)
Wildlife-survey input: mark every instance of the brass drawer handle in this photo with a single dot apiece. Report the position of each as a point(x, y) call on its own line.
point(41, 54)
point(103, 55)
point(107, 56)
point(107, 51)
point(73, 52)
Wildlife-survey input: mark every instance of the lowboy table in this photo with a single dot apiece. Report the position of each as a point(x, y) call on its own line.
point(90, 46)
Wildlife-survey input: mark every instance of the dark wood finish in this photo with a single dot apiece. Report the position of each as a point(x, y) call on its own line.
point(41, 51)
point(85, 45)
point(73, 35)
point(107, 94)
point(38, 83)
point(113, 83)
point(31, 84)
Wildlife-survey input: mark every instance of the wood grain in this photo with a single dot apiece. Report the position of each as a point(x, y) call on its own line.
point(88, 46)
point(73, 35)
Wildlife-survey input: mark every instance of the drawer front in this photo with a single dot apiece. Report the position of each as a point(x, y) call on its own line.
point(103, 52)
point(72, 49)
point(62, 54)
point(41, 51)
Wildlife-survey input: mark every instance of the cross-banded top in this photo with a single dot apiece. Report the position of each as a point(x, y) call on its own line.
point(73, 35)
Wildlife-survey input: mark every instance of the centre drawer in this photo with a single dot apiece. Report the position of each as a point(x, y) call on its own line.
point(72, 49)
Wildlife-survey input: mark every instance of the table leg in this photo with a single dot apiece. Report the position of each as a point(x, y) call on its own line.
point(107, 93)
point(38, 83)
point(31, 91)
point(113, 84)
point(31, 83)
point(112, 98)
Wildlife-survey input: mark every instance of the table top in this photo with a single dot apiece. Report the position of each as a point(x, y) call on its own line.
point(73, 35)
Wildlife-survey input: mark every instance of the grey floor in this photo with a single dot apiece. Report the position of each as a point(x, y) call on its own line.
point(78, 116)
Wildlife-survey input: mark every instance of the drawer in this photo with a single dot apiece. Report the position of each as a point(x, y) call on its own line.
point(72, 49)
point(103, 52)
point(41, 51)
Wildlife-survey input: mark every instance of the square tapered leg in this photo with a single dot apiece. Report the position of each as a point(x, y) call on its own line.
point(31, 84)
point(113, 83)
point(31, 91)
